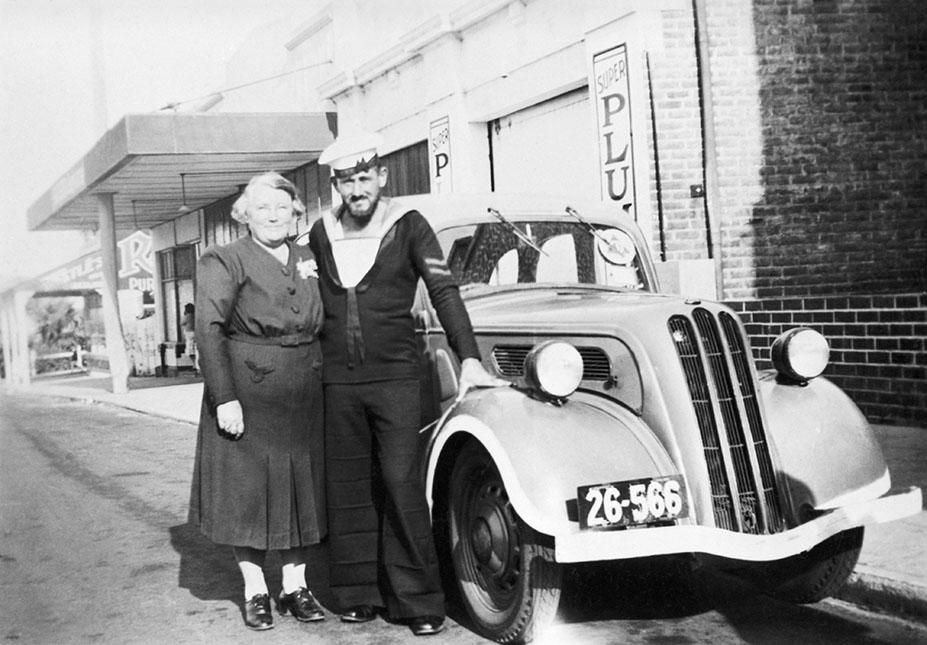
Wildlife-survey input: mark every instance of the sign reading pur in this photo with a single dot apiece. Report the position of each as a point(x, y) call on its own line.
point(611, 91)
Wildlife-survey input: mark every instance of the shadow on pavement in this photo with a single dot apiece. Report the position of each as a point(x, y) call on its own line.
point(663, 588)
point(644, 589)
point(209, 572)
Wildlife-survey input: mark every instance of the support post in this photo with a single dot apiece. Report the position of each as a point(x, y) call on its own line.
point(22, 328)
point(112, 322)
point(7, 306)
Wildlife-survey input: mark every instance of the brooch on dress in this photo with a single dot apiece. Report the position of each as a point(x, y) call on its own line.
point(307, 269)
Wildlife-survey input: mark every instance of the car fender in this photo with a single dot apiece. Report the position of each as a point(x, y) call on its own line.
point(827, 452)
point(544, 452)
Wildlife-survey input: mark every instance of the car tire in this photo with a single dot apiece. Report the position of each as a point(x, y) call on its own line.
point(505, 570)
point(816, 574)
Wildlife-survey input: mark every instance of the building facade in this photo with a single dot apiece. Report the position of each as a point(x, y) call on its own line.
point(772, 151)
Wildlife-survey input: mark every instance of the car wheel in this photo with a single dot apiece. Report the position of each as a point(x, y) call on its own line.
point(816, 574)
point(507, 577)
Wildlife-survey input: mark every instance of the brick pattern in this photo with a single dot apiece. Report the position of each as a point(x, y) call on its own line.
point(837, 197)
point(820, 117)
point(820, 111)
point(674, 81)
point(739, 145)
point(878, 346)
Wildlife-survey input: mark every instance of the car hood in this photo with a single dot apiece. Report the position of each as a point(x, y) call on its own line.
point(579, 309)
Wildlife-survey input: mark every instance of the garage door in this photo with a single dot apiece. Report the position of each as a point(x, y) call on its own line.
point(548, 148)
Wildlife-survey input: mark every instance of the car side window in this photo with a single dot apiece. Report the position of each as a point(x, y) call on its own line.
point(506, 269)
point(558, 262)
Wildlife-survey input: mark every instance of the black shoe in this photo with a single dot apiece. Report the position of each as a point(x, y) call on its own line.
point(359, 614)
point(426, 625)
point(257, 612)
point(302, 604)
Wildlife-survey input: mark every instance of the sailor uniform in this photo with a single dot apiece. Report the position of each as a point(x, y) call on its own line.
point(377, 506)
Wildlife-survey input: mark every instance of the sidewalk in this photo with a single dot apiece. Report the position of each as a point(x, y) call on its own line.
point(175, 397)
point(891, 575)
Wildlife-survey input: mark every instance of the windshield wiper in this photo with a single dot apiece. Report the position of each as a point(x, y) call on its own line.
point(589, 227)
point(521, 236)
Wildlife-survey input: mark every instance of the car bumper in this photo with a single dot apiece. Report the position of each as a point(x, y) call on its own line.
point(585, 546)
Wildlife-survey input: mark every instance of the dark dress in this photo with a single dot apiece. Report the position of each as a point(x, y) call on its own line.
point(256, 327)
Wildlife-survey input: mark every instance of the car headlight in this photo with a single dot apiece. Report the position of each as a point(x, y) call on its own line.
point(554, 368)
point(800, 354)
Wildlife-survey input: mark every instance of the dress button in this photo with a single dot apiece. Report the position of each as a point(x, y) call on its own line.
point(291, 290)
point(295, 309)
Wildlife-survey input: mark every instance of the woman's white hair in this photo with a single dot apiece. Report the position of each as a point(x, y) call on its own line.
point(272, 180)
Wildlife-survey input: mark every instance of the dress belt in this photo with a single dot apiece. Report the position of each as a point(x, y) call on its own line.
point(288, 340)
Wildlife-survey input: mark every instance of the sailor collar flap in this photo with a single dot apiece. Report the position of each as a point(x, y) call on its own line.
point(395, 211)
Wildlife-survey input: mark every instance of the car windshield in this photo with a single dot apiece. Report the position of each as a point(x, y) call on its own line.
point(534, 252)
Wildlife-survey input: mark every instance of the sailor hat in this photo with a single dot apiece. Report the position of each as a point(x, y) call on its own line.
point(352, 152)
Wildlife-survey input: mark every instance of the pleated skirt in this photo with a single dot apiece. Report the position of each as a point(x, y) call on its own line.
point(267, 489)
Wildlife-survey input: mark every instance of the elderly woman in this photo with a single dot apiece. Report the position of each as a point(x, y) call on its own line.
point(258, 474)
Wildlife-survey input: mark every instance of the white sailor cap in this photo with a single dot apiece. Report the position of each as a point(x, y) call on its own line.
point(352, 152)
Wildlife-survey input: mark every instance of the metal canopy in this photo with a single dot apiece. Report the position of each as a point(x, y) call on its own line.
point(141, 159)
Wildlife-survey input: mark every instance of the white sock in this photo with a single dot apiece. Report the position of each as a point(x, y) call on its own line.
point(294, 577)
point(254, 579)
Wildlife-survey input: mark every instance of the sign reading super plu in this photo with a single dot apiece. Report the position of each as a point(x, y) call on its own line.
point(611, 92)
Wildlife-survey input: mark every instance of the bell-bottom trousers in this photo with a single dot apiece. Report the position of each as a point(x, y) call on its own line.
point(381, 547)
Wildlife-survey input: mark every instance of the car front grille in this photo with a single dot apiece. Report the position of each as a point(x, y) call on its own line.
point(510, 361)
point(717, 368)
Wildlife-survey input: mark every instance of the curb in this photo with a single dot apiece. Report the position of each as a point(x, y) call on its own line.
point(128, 405)
point(876, 589)
point(91, 397)
point(144, 410)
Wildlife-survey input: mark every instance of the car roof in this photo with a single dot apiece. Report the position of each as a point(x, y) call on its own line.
point(455, 208)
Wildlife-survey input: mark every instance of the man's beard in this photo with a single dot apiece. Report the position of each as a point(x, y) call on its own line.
point(365, 214)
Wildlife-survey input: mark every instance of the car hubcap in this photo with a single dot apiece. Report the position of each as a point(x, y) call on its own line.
point(481, 537)
point(493, 539)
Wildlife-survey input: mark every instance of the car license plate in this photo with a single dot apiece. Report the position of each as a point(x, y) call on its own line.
point(632, 502)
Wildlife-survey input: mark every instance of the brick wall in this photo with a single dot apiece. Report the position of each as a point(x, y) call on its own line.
point(677, 154)
point(878, 346)
point(821, 116)
point(842, 117)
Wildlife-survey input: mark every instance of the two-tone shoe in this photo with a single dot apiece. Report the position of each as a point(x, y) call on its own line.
point(302, 604)
point(258, 615)
point(359, 614)
point(426, 625)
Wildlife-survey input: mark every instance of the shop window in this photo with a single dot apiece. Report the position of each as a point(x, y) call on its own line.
point(178, 270)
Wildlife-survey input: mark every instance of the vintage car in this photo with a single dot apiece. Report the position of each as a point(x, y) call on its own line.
point(637, 423)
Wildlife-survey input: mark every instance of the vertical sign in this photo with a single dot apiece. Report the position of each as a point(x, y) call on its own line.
point(613, 126)
point(439, 160)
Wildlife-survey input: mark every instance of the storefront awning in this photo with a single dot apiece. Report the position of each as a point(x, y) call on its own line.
point(141, 160)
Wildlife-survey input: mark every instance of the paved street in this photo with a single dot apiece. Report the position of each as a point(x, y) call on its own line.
point(94, 548)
